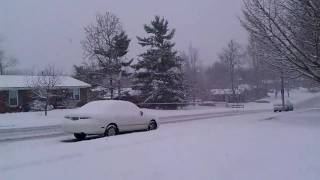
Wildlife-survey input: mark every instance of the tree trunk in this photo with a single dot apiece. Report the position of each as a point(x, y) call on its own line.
point(111, 88)
point(232, 85)
point(288, 89)
point(1, 69)
point(119, 88)
point(282, 89)
point(194, 86)
point(194, 95)
point(46, 107)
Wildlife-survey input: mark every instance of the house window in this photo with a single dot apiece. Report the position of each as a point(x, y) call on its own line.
point(76, 94)
point(13, 98)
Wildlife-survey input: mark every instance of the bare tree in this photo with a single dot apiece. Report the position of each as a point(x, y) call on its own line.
point(231, 56)
point(288, 31)
point(44, 83)
point(259, 59)
point(107, 44)
point(6, 63)
point(192, 71)
point(217, 75)
point(274, 61)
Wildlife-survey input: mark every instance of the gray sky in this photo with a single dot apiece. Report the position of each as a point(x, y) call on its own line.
point(40, 32)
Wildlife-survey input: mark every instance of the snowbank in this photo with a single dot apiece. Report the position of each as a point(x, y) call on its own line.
point(31, 119)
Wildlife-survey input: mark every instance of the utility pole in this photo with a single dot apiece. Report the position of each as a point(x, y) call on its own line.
point(282, 89)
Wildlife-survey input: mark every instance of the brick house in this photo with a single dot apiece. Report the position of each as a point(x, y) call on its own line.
point(15, 92)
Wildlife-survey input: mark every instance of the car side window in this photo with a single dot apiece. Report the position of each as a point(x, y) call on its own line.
point(134, 109)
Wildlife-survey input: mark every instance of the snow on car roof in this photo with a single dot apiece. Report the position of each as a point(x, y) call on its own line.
point(106, 103)
point(21, 82)
point(103, 106)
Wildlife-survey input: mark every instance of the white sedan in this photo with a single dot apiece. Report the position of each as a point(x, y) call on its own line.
point(108, 118)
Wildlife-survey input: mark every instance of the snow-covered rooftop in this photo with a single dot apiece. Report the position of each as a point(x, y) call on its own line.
point(223, 91)
point(239, 90)
point(23, 82)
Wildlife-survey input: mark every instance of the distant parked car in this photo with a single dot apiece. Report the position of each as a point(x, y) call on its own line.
point(288, 106)
point(108, 118)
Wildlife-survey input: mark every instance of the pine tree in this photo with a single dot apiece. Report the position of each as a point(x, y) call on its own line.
point(158, 71)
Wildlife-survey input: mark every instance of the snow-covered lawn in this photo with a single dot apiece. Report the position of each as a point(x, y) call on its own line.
point(296, 96)
point(31, 119)
point(249, 147)
point(36, 119)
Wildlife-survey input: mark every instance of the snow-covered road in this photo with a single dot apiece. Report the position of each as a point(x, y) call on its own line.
point(19, 134)
point(260, 146)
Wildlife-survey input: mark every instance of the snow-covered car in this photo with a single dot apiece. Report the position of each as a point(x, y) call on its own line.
point(108, 118)
point(288, 106)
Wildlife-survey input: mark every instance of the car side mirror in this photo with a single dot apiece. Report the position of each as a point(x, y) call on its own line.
point(141, 113)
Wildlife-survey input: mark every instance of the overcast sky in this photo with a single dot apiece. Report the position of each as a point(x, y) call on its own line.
point(40, 32)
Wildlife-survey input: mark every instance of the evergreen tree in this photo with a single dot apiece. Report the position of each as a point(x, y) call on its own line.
point(158, 71)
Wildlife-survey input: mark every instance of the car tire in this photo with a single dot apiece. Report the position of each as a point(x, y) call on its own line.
point(111, 130)
point(80, 136)
point(152, 125)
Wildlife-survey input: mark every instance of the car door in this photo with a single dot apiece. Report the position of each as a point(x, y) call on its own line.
point(126, 116)
point(136, 118)
point(141, 120)
point(120, 116)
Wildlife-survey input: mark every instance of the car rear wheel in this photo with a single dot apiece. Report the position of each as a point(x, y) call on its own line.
point(111, 130)
point(80, 136)
point(152, 125)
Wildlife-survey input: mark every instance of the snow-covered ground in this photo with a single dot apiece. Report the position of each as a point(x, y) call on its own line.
point(37, 119)
point(31, 119)
point(296, 95)
point(264, 146)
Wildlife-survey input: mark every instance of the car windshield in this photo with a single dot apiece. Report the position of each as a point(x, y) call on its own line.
point(160, 89)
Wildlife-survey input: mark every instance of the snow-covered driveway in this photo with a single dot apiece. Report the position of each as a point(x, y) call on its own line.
point(261, 146)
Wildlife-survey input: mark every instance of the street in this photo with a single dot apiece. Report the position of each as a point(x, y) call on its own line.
point(263, 146)
point(21, 134)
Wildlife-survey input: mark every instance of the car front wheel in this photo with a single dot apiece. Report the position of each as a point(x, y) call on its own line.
point(111, 130)
point(152, 125)
point(80, 136)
